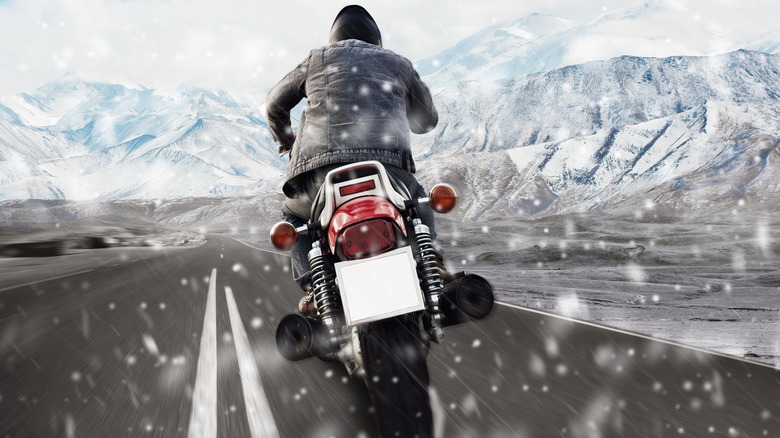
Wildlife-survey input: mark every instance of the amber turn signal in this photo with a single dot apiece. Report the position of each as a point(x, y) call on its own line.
point(283, 236)
point(442, 198)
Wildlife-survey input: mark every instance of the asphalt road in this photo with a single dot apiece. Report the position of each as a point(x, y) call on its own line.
point(179, 342)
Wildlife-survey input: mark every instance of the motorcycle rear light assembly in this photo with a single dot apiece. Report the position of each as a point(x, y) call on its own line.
point(367, 239)
point(442, 198)
point(357, 188)
point(283, 236)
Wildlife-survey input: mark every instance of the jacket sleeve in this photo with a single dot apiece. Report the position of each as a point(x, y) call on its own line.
point(420, 110)
point(281, 99)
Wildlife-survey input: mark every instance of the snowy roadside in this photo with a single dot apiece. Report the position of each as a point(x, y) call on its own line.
point(46, 240)
point(710, 282)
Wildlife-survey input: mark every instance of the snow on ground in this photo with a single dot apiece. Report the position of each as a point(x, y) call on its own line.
point(670, 278)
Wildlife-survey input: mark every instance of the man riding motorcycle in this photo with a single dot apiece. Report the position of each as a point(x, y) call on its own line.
point(363, 100)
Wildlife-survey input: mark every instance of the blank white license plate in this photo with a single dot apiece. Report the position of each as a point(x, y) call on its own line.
point(381, 287)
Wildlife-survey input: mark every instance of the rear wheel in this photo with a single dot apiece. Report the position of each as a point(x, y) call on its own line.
point(397, 377)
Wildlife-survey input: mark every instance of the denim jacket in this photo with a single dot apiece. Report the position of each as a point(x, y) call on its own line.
point(363, 101)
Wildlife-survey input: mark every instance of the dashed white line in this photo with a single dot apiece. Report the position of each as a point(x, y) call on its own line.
point(203, 418)
point(261, 420)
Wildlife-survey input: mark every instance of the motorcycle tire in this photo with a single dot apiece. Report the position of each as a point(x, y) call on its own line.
point(397, 377)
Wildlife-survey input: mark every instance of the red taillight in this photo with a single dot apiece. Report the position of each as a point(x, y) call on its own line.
point(367, 239)
point(357, 188)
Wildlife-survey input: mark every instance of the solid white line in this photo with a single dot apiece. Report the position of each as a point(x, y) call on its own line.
point(44, 281)
point(203, 418)
point(639, 335)
point(261, 420)
point(260, 249)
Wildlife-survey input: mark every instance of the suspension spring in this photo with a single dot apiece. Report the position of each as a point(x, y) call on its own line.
point(432, 281)
point(326, 296)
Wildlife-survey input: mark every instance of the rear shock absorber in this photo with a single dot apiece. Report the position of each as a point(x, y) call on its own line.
point(326, 296)
point(432, 282)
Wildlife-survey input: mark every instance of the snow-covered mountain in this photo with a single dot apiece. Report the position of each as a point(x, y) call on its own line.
point(519, 48)
point(628, 133)
point(540, 43)
point(84, 140)
point(597, 134)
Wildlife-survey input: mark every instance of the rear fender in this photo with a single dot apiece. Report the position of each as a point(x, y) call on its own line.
point(359, 210)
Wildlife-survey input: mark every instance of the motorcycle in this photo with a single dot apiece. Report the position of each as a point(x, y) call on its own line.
point(378, 290)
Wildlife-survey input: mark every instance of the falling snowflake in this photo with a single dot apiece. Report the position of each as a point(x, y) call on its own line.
point(151, 345)
point(635, 273)
point(536, 365)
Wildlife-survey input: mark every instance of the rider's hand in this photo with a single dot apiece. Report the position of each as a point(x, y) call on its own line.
point(285, 149)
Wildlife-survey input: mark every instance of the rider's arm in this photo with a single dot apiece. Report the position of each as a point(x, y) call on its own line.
point(281, 99)
point(420, 110)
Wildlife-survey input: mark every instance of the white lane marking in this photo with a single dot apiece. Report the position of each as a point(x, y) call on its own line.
point(638, 335)
point(44, 281)
point(261, 420)
point(260, 249)
point(203, 418)
point(439, 413)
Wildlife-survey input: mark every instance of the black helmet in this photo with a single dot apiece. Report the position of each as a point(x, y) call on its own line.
point(354, 22)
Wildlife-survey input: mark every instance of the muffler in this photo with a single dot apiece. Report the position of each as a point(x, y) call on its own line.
point(468, 297)
point(295, 336)
point(299, 337)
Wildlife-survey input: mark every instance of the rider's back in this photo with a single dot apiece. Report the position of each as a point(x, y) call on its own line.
point(363, 101)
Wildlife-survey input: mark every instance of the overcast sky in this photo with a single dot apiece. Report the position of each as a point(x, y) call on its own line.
point(245, 46)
